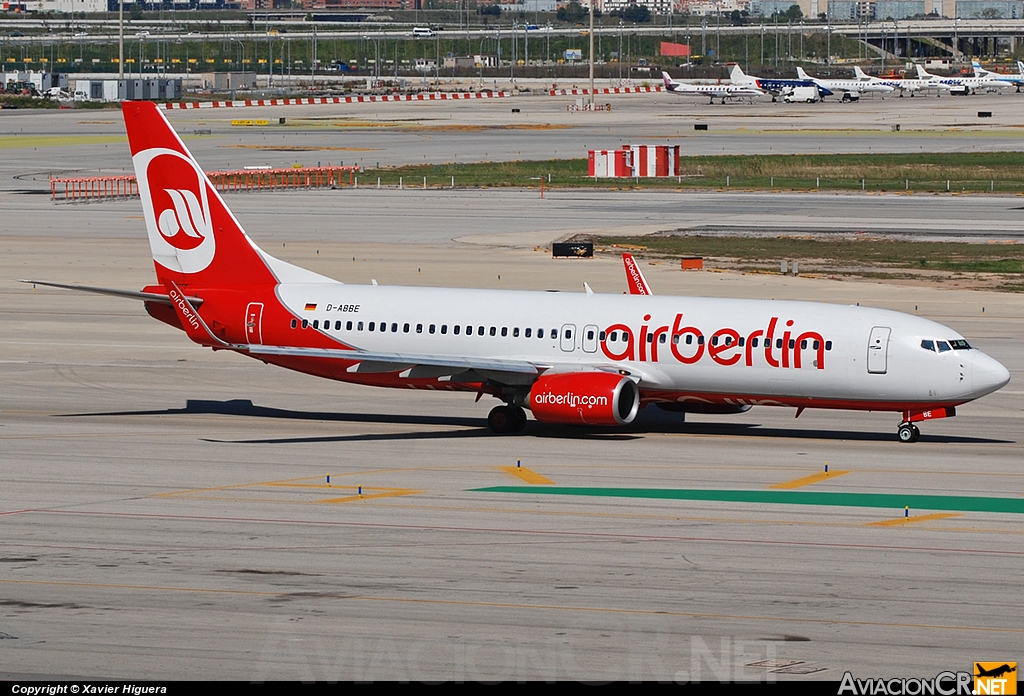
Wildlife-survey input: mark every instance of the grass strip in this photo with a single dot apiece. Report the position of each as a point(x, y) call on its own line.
point(1000, 172)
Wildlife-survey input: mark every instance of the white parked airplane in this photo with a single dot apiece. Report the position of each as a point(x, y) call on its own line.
point(965, 85)
point(1016, 78)
point(852, 89)
point(720, 91)
point(909, 85)
point(573, 358)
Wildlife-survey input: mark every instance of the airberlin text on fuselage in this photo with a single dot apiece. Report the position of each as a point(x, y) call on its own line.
point(777, 346)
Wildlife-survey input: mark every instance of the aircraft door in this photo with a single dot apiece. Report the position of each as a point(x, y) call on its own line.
point(590, 336)
point(254, 323)
point(568, 337)
point(878, 348)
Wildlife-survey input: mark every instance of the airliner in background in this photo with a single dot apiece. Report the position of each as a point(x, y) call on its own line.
point(852, 90)
point(719, 91)
point(572, 358)
point(1016, 78)
point(966, 85)
point(774, 86)
point(904, 84)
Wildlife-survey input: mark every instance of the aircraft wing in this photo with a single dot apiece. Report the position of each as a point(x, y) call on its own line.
point(512, 372)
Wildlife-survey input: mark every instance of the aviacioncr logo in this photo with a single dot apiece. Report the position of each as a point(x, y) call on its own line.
point(176, 204)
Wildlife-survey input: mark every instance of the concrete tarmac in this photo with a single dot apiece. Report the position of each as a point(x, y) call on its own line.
point(166, 512)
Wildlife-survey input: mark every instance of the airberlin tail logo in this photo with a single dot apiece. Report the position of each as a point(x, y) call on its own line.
point(180, 225)
point(176, 204)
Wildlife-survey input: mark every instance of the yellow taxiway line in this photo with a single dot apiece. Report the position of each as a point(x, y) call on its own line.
point(530, 477)
point(910, 520)
point(808, 480)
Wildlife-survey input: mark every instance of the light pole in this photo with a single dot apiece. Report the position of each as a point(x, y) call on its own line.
point(376, 57)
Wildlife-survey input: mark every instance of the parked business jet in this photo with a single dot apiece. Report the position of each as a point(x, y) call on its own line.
point(852, 90)
point(965, 85)
point(722, 92)
point(573, 358)
point(775, 87)
point(904, 85)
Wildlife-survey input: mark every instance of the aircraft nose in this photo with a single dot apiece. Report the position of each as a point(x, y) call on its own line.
point(987, 374)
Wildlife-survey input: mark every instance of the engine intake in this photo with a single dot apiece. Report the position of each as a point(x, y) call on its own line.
point(584, 398)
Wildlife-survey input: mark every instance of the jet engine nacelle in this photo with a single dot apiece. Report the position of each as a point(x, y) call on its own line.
point(584, 398)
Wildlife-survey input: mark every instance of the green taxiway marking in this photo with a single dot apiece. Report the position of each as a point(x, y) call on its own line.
point(956, 503)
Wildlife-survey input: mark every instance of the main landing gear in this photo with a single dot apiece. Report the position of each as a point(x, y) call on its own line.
point(506, 419)
point(908, 432)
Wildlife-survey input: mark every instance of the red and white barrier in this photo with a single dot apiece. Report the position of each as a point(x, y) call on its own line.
point(365, 99)
point(605, 164)
point(654, 160)
point(606, 90)
point(634, 161)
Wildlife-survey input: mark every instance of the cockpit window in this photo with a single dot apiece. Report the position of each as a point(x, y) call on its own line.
point(960, 344)
point(928, 345)
point(943, 347)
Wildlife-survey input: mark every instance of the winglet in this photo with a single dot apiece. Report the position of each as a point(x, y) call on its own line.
point(634, 277)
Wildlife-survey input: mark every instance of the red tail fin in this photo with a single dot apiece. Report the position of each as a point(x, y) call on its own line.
point(634, 277)
point(195, 239)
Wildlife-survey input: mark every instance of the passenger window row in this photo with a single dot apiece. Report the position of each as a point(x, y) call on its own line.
point(456, 329)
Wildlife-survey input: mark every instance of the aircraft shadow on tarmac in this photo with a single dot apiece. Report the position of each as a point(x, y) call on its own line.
point(648, 421)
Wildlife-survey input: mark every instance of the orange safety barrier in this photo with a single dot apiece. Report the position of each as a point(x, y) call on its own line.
point(99, 187)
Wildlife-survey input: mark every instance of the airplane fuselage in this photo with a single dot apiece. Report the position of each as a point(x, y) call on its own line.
point(684, 349)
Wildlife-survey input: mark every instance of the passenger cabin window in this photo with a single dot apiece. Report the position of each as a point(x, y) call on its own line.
point(455, 329)
point(527, 333)
point(295, 322)
point(348, 326)
point(431, 329)
point(515, 332)
point(540, 333)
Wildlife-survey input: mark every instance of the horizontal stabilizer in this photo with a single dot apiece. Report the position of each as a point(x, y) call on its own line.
point(129, 294)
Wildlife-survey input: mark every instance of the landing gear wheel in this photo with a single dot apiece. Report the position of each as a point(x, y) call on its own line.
point(908, 433)
point(506, 419)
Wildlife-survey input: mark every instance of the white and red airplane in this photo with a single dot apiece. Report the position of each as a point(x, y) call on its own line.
point(586, 358)
point(720, 91)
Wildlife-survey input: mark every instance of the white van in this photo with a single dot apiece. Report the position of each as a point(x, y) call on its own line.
point(802, 94)
point(422, 31)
